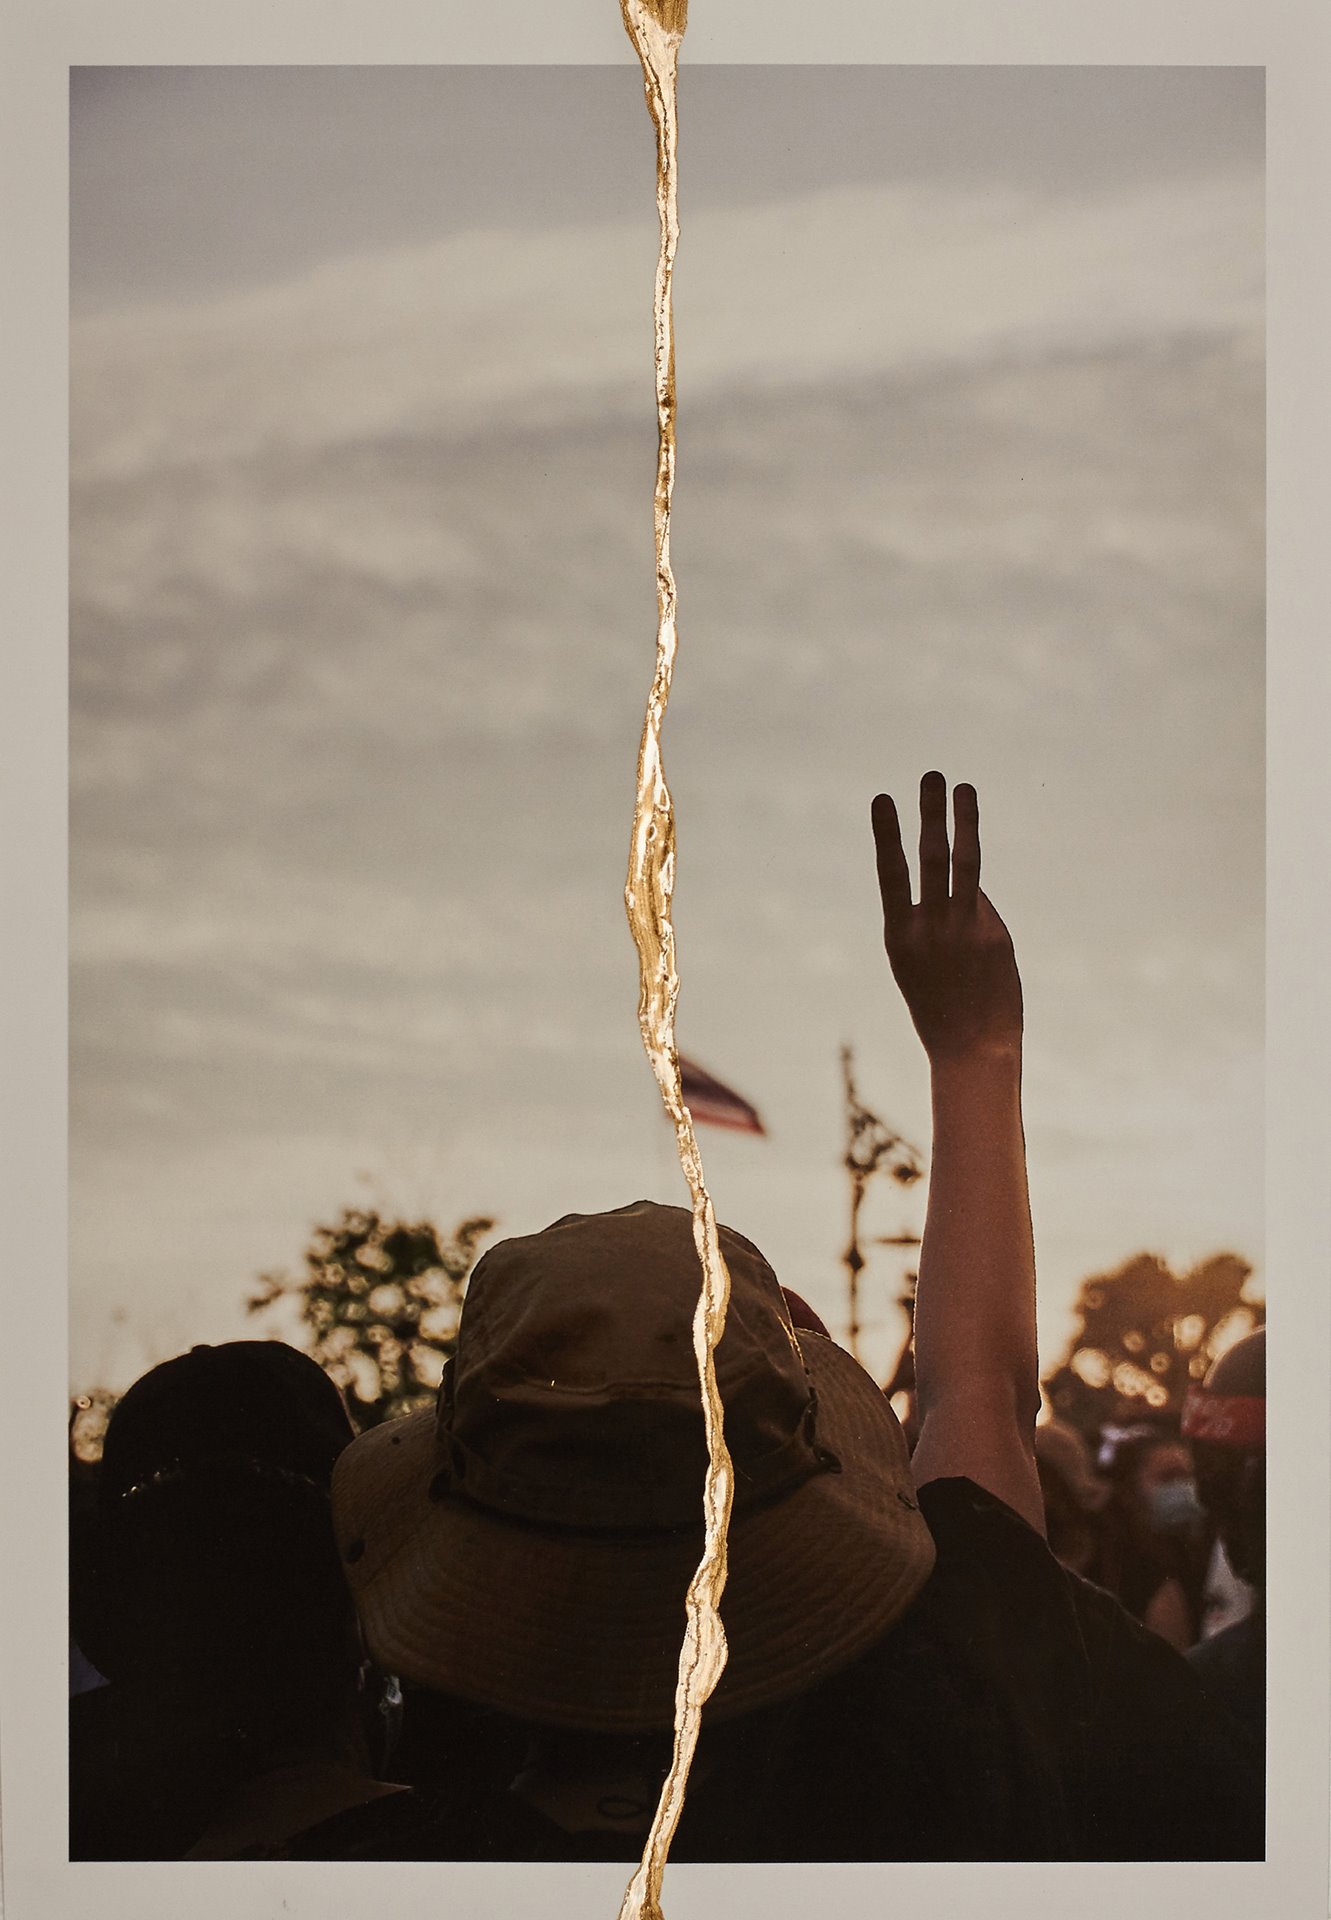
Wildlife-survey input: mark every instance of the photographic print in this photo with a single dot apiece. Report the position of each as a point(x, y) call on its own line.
point(969, 476)
point(832, 526)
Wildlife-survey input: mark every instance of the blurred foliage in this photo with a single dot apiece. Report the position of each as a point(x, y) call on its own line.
point(379, 1301)
point(88, 1417)
point(1146, 1334)
point(378, 1305)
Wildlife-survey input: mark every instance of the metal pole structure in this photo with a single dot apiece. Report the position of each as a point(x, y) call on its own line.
point(902, 1377)
point(854, 1265)
point(869, 1142)
point(853, 1258)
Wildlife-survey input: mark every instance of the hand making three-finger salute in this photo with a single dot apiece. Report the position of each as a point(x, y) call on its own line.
point(976, 1369)
point(951, 954)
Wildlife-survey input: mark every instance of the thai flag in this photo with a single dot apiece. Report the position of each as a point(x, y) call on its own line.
point(713, 1104)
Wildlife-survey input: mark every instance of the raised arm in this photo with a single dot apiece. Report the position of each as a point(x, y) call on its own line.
point(976, 1371)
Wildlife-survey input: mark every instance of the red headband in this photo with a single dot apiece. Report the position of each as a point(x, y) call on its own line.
point(1226, 1419)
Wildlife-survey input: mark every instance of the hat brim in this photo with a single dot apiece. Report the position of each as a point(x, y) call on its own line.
point(575, 1628)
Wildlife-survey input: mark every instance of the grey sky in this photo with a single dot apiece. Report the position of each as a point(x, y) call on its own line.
point(189, 181)
point(362, 626)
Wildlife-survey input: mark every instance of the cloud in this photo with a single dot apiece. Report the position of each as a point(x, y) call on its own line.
point(362, 623)
point(483, 327)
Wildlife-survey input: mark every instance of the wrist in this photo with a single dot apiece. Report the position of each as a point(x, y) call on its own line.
point(976, 1093)
point(980, 1060)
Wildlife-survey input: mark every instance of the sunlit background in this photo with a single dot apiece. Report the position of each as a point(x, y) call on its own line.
point(970, 475)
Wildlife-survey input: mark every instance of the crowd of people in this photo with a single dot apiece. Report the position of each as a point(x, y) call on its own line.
point(456, 1636)
point(1133, 1516)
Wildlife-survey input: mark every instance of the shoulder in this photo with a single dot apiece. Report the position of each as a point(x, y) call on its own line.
point(1000, 1597)
point(958, 1505)
point(973, 1530)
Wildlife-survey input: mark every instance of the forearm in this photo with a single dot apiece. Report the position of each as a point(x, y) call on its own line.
point(976, 1373)
point(975, 1303)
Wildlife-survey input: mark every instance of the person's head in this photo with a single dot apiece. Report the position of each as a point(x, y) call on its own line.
point(1225, 1425)
point(1074, 1494)
point(1149, 1470)
point(220, 1590)
point(527, 1543)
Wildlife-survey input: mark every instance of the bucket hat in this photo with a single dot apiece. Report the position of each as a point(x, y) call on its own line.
point(527, 1542)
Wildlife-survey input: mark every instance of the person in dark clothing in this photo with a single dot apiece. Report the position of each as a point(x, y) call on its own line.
point(1225, 1424)
point(912, 1674)
point(241, 1709)
point(1153, 1538)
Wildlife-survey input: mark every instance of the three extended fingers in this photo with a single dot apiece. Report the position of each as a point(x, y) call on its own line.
point(938, 863)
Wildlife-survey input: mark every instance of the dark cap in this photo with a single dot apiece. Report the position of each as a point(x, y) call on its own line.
point(1229, 1408)
point(256, 1404)
point(216, 1572)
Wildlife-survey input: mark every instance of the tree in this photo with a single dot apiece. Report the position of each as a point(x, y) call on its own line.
point(380, 1301)
point(1146, 1335)
point(88, 1417)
